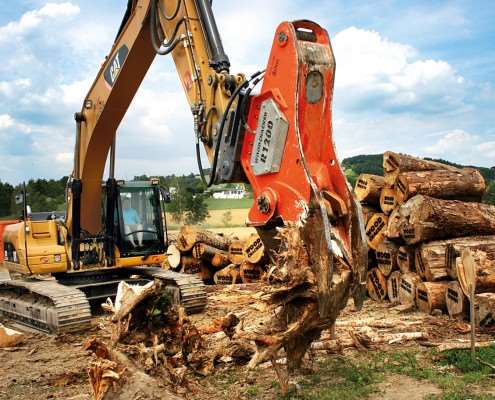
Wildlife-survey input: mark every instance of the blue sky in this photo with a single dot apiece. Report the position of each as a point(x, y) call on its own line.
point(415, 77)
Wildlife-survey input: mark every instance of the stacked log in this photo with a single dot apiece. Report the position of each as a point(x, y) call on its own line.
point(425, 216)
point(216, 258)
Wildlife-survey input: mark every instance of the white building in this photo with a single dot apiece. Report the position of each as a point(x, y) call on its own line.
point(229, 194)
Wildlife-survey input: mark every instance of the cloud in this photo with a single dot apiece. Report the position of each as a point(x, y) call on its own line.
point(376, 73)
point(453, 141)
point(34, 18)
point(6, 121)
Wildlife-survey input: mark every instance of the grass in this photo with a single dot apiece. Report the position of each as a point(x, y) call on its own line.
point(358, 376)
point(453, 371)
point(337, 378)
point(228, 204)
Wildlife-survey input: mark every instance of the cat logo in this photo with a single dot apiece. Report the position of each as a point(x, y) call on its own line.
point(115, 66)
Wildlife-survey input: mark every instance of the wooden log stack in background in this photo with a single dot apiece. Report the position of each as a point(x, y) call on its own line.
point(432, 212)
point(216, 258)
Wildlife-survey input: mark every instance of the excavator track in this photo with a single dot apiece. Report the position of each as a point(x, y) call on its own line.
point(53, 306)
point(45, 305)
point(191, 289)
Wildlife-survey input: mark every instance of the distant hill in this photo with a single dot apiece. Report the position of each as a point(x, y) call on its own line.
point(373, 164)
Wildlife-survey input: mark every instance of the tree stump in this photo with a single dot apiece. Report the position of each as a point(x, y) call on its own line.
point(368, 188)
point(393, 286)
point(457, 302)
point(376, 285)
point(236, 252)
point(407, 290)
point(395, 163)
point(485, 273)
point(405, 259)
point(466, 184)
point(426, 218)
point(254, 249)
point(375, 230)
point(227, 276)
point(386, 257)
point(250, 273)
point(388, 200)
point(485, 309)
point(431, 296)
point(189, 236)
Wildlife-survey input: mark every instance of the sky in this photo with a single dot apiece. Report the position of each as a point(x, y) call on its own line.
point(412, 76)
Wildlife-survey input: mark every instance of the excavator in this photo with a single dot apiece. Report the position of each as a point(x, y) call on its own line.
point(277, 138)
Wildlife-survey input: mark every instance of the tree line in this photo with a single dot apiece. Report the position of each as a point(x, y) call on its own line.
point(188, 197)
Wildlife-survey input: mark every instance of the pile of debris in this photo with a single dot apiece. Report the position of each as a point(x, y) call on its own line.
point(216, 258)
point(151, 343)
point(429, 214)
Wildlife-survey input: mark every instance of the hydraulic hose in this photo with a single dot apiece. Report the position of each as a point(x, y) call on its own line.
point(213, 173)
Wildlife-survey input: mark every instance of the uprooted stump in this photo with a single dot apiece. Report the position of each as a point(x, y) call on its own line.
point(151, 338)
point(296, 303)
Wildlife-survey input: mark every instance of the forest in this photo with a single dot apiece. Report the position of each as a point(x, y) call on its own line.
point(188, 193)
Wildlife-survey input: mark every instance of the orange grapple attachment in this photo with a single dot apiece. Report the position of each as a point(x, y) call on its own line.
point(288, 154)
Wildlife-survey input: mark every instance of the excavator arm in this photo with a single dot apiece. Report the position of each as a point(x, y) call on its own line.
point(279, 141)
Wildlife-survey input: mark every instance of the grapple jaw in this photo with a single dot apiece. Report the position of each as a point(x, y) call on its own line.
point(290, 160)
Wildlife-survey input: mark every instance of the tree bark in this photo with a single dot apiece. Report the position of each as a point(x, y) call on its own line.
point(428, 265)
point(376, 285)
point(408, 284)
point(393, 286)
point(189, 236)
point(457, 302)
point(395, 163)
point(388, 200)
point(438, 258)
point(368, 188)
point(393, 224)
point(485, 273)
point(485, 309)
point(405, 259)
point(468, 184)
point(426, 218)
point(431, 296)
point(375, 230)
point(254, 249)
point(214, 256)
point(386, 257)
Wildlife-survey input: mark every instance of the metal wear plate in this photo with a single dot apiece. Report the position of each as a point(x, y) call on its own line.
point(269, 144)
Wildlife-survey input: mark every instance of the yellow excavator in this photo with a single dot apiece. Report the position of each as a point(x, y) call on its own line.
point(279, 141)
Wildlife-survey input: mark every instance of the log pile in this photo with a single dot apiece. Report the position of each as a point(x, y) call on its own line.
point(216, 258)
point(419, 218)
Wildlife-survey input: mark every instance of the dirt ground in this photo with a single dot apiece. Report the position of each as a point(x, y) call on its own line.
point(55, 367)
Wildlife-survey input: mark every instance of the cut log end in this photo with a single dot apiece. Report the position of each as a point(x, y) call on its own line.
point(368, 188)
point(431, 296)
point(375, 230)
point(393, 286)
point(376, 285)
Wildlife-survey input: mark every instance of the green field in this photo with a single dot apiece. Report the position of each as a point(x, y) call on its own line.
point(228, 204)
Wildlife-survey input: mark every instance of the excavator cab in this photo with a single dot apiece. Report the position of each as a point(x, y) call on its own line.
point(138, 224)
